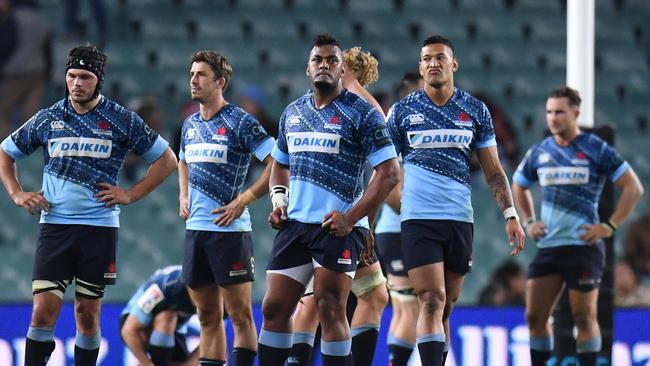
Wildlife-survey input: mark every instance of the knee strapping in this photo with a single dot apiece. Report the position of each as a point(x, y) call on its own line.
point(365, 284)
point(56, 287)
point(404, 293)
point(88, 290)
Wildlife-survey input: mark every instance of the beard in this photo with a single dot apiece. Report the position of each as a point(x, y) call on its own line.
point(324, 86)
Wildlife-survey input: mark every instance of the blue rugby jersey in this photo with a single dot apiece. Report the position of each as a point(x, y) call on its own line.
point(388, 222)
point(164, 290)
point(436, 145)
point(217, 153)
point(79, 153)
point(571, 179)
point(326, 150)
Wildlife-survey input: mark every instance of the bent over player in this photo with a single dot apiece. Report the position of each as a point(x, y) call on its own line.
point(325, 137)
point(153, 324)
point(571, 167)
point(85, 138)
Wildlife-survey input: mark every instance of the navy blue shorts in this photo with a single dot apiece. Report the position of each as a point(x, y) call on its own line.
point(297, 243)
point(64, 252)
point(580, 266)
point(426, 242)
point(388, 247)
point(214, 257)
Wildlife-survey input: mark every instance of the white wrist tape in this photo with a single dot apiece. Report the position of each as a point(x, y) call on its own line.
point(510, 212)
point(279, 196)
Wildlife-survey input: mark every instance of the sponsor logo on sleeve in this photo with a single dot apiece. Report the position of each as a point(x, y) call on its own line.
point(206, 153)
point(151, 297)
point(79, 146)
point(444, 138)
point(328, 143)
point(563, 175)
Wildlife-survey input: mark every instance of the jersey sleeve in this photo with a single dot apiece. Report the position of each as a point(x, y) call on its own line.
point(612, 163)
point(485, 136)
point(28, 138)
point(526, 173)
point(144, 141)
point(255, 138)
point(280, 150)
point(394, 130)
point(375, 138)
point(151, 298)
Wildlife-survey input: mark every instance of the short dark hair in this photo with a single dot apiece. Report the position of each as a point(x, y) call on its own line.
point(572, 95)
point(218, 63)
point(436, 38)
point(326, 40)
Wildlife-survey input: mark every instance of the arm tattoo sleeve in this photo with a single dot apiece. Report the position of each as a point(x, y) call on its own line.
point(500, 189)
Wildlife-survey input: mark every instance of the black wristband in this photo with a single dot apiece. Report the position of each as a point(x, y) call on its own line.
point(610, 225)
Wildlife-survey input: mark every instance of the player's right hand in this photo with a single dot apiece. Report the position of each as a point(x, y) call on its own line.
point(278, 217)
point(184, 207)
point(536, 230)
point(33, 202)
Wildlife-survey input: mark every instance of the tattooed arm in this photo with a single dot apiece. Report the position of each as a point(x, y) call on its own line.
point(498, 183)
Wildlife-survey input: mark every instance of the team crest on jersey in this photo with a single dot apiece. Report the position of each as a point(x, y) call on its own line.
point(206, 153)
point(103, 128)
point(79, 146)
point(57, 125)
point(293, 121)
point(334, 123)
point(313, 142)
point(580, 159)
point(415, 119)
point(434, 139)
point(563, 175)
point(220, 134)
point(463, 120)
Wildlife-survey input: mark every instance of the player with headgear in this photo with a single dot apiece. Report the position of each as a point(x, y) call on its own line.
point(85, 138)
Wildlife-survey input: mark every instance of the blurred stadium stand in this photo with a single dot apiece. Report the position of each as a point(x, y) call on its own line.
point(513, 50)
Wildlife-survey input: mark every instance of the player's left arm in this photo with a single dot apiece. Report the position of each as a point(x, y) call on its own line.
point(631, 192)
point(158, 170)
point(136, 337)
point(496, 179)
point(231, 211)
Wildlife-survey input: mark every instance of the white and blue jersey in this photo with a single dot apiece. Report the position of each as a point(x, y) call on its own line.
point(217, 153)
point(325, 150)
point(80, 152)
point(164, 290)
point(388, 222)
point(571, 179)
point(436, 144)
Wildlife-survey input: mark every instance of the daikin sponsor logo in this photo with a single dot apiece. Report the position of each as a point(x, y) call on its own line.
point(434, 139)
point(79, 146)
point(563, 175)
point(313, 142)
point(206, 153)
